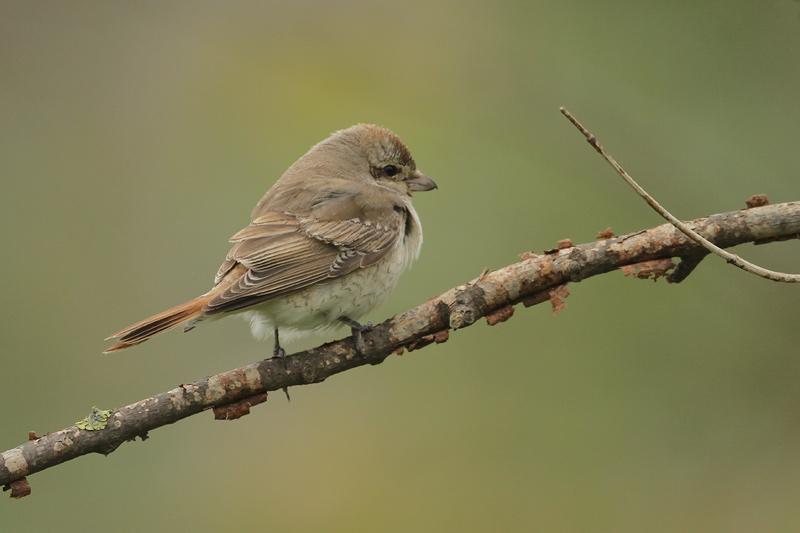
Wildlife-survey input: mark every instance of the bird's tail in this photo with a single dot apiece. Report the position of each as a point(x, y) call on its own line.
point(141, 331)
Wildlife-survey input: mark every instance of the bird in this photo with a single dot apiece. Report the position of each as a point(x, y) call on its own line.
point(325, 244)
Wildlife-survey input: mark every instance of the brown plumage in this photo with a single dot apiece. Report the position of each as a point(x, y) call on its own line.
point(342, 208)
point(141, 331)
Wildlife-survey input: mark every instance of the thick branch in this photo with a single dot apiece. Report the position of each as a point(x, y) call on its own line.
point(429, 322)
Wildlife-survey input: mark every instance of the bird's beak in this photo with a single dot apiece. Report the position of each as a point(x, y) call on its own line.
point(420, 182)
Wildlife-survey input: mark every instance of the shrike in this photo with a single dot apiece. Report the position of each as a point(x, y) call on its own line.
point(325, 245)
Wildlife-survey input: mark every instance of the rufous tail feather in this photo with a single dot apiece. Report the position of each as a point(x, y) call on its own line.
point(143, 330)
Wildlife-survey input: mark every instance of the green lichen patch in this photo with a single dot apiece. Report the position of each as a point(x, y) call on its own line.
point(97, 420)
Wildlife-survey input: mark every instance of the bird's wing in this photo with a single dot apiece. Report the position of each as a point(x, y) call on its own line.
point(283, 252)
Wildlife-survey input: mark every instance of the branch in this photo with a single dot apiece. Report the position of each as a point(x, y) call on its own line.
point(492, 295)
point(733, 259)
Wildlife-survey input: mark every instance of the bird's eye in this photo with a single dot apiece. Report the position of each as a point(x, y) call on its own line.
point(390, 170)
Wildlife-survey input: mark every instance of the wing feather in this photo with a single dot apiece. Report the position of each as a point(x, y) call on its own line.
point(283, 253)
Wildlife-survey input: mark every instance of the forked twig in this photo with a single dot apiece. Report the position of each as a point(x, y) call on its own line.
point(689, 232)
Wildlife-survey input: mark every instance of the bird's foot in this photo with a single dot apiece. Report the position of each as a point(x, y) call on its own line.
point(357, 329)
point(279, 353)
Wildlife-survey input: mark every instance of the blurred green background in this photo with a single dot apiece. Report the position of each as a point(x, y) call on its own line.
point(136, 136)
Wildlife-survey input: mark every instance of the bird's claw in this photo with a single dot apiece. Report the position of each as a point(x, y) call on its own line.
point(279, 353)
point(357, 330)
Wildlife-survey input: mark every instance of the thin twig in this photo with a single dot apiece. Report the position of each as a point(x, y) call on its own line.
point(242, 388)
point(711, 247)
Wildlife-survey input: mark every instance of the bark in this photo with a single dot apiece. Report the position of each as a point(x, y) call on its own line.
point(533, 279)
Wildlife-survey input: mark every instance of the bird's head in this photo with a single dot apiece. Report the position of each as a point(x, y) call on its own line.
point(381, 156)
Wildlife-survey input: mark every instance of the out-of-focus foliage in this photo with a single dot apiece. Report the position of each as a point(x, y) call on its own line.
point(136, 136)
